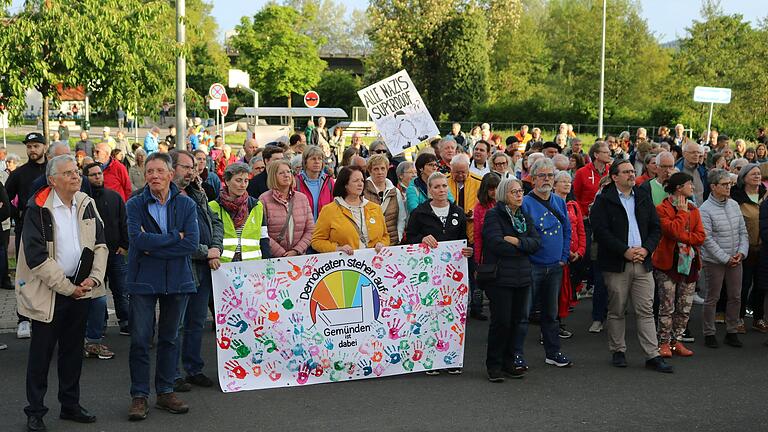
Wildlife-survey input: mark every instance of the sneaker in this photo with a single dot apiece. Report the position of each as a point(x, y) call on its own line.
point(697, 299)
point(732, 339)
point(585, 294)
point(559, 360)
point(171, 403)
point(432, 372)
point(619, 359)
point(519, 366)
point(687, 337)
point(95, 350)
point(665, 351)
point(181, 386)
point(659, 365)
point(720, 318)
point(495, 376)
point(138, 409)
point(3, 347)
point(24, 330)
point(564, 334)
point(455, 371)
point(124, 330)
point(680, 350)
point(741, 328)
point(760, 325)
point(749, 312)
point(711, 341)
point(596, 327)
point(199, 380)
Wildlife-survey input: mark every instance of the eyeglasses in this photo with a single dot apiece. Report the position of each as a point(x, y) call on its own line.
point(666, 166)
point(502, 163)
point(380, 151)
point(516, 191)
point(725, 185)
point(70, 173)
point(543, 176)
point(431, 164)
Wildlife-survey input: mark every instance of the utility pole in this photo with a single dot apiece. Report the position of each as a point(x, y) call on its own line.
point(181, 77)
point(602, 77)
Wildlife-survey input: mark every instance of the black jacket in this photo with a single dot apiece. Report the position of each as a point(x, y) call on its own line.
point(258, 185)
point(610, 226)
point(423, 222)
point(21, 184)
point(210, 226)
point(112, 211)
point(513, 266)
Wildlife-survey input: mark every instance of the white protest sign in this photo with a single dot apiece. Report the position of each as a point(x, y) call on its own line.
point(332, 317)
point(400, 115)
point(712, 95)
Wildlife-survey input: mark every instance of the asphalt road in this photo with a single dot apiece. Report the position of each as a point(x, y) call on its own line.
point(718, 390)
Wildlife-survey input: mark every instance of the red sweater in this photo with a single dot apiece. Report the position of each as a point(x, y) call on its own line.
point(578, 236)
point(116, 178)
point(478, 219)
point(586, 182)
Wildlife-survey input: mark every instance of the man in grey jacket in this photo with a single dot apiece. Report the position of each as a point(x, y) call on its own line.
point(205, 259)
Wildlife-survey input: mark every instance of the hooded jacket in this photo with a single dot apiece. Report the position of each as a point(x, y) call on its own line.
point(38, 276)
point(423, 222)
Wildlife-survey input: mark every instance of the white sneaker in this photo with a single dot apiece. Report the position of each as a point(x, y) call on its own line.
point(3, 347)
point(596, 327)
point(24, 331)
point(697, 300)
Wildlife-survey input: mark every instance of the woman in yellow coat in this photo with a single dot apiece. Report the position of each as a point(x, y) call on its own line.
point(351, 222)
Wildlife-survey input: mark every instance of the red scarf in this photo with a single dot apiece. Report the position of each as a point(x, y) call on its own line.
point(237, 207)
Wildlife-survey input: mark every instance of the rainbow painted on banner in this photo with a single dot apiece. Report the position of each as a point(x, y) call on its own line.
point(344, 297)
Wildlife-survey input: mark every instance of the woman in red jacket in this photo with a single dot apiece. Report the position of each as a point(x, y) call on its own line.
point(486, 200)
point(676, 262)
point(562, 188)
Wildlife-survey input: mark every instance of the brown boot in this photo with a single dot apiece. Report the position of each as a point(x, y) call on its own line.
point(679, 349)
point(171, 403)
point(138, 409)
point(665, 351)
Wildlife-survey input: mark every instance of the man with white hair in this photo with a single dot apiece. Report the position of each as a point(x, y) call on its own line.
point(249, 149)
point(107, 138)
point(151, 142)
point(561, 162)
point(690, 164)
point(447, 150)
point(680, 137)
point(551, 221)
point(320, 135)
point(55, 289)
point(665, 167)
point(357, 144)
point(464, 186)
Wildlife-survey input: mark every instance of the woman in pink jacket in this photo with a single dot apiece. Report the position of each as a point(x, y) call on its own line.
point(289, 216)
point(486, 200)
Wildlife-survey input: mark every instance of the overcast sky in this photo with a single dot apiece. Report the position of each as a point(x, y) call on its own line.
point(666, 18)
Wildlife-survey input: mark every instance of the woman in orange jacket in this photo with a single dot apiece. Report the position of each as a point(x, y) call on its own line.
point(676, 262)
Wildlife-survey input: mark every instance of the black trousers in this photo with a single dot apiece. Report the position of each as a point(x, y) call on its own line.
point(67, 329)
point(505, 334)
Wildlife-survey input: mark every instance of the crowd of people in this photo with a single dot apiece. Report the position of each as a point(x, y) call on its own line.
point(661, 222)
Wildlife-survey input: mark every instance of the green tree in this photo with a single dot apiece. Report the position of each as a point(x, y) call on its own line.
point(327, 23)
point(722, 51)
point(338, 89)
point(108, 46)
point(277, 56)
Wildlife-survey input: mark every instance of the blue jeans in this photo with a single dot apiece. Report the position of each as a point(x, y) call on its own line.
point(97, 313)
point(194, 322)
point(142, 318)
point(545, 282)
point(117, 270)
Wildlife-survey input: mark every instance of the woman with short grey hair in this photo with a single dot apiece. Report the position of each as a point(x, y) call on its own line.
point(725, 247)
point(244, 218)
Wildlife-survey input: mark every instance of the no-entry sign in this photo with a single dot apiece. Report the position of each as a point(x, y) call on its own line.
point(311, 99)
point(224, 104)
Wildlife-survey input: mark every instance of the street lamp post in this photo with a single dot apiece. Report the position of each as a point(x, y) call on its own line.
point(602, 77)
point(181, 75)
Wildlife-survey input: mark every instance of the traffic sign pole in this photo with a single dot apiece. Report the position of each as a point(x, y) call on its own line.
point(709, 123)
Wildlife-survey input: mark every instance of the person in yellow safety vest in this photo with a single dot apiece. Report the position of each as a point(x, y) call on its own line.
point(245, 223)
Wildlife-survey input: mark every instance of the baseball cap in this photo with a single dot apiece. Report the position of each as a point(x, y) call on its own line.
point(36, 137)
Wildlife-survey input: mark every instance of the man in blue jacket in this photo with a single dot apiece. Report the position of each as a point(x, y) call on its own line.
point(550, 217)
point(163, 234)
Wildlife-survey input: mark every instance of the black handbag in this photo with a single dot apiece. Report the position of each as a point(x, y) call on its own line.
point(486, 272)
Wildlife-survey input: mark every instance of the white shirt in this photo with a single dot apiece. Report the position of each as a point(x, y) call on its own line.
point(480, 172)
point(67, 238)
point(441, 213)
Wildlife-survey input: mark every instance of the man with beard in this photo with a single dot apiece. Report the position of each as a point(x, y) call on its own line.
point(551, 221)
point(204, 259)
point(19, 185)
point(209, 181)
point(112, 211)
